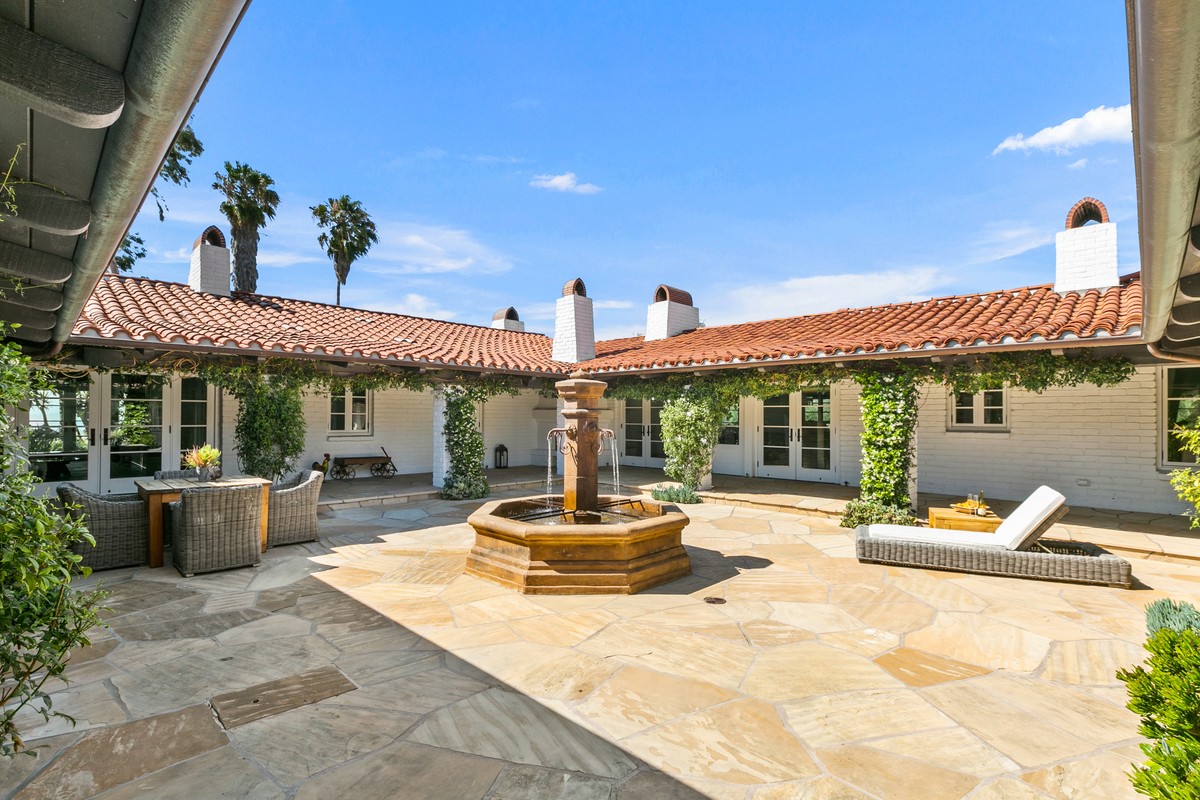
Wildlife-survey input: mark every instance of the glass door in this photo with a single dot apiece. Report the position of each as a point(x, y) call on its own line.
point(62, 434)
point(814, 438)
point(132, 433)
point(776, 459)
point(641, 434)
point(796, 439)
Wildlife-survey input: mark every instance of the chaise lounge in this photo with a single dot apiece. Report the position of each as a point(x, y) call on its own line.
point(1014, 550)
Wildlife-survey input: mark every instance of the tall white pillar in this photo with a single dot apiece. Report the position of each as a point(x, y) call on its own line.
point(441, 456)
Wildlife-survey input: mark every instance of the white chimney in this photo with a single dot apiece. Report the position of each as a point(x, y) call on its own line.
point(671, 313)
point(506, 319)
point(210, 263)
point(574, 327)
point(1086, 255)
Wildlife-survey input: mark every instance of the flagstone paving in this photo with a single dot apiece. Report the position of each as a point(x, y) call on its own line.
point(368, 665)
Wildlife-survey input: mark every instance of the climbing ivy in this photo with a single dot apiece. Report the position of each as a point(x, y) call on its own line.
point(269, 430)
point(464, 443)
point(690, 425)
point(889, 418)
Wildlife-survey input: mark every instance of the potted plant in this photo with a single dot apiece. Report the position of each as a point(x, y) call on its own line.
point(203, 459)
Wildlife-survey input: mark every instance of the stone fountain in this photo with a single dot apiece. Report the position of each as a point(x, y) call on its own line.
point(580, 542)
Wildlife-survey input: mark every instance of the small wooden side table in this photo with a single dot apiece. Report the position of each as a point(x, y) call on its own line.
point(949, 519)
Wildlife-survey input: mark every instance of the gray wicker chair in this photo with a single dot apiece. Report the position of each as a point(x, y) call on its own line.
point(119, 523)
point(292, 515)
point(217, 528)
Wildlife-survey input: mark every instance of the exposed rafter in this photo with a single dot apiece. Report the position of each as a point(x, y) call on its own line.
point(45, 209)
point(43, 299)
point(26, 317)
point(56, 81)
point(33, 264)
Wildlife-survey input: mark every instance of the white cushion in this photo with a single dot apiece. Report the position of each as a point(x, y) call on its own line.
point(1015, 533)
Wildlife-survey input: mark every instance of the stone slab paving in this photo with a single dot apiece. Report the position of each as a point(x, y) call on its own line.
point(781, 669)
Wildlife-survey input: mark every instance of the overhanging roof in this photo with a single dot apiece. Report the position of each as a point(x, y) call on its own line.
point(95, 94)
point(1164, 77)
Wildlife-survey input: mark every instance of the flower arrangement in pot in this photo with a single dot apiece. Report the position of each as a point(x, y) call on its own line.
point(203, 458)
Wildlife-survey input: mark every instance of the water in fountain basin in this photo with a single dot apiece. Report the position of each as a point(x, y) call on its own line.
point(616, 467)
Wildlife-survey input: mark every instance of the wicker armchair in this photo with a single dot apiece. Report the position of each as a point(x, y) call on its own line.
point(217, 528)
point(119, 523)
point(292, 515)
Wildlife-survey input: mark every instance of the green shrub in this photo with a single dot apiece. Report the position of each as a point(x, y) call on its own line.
point(872, 512)
point(41, 618)
point(1166, 613)
point(675, 494)
point(269, 431)
point(1186, 482)
point(889, 417)
point(690, 426)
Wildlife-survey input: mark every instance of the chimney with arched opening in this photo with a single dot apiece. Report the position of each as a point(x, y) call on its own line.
point(1086, 252)
point(506, 319)
point(574, 325)
point(671, 313)
point(210, 263)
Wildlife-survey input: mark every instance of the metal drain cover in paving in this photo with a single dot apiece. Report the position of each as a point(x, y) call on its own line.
point(715, 601)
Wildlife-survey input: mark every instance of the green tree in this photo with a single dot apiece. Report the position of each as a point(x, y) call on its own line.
point(184, 150)
point(41, 618)
point(347, 234)
point(249, 203)
point(269, 431)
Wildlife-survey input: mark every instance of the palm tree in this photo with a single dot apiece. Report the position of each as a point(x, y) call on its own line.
point(249, 203)
point(347, 234)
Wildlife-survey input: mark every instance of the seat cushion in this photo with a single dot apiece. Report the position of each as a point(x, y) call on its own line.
point(932, 535)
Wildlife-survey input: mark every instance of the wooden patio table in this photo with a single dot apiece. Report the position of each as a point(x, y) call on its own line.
point(168, 490)
point(949, 519)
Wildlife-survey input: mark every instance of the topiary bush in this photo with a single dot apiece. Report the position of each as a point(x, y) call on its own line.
point(675, 494)
point(690, 426)
point(872, 512)
point(1166, 694)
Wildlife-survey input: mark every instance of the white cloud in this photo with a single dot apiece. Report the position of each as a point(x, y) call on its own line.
point(1101, 124)
point(566, 182)
point(488, 159)
point(1080, 164)
point(821, 293)
point(1006, 239)
point(409, 247)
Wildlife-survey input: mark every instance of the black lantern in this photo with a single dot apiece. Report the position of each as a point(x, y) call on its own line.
point(501, 457)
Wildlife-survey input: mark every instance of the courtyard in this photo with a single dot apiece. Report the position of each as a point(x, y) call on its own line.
point(368, 665)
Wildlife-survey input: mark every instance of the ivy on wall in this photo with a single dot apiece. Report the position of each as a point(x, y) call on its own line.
point(269, 430)
point(690, 426)
point(464, 442)
point(889, 418)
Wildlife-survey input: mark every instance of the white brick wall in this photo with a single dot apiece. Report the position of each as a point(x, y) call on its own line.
point(666, 318)
point(509, 421)
point(574, 329)
point(1086, 258)
point(1107, 438)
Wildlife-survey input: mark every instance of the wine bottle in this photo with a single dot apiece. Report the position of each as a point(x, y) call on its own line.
point(981, 510)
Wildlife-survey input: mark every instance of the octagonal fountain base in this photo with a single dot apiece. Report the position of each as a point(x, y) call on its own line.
point(629, 546)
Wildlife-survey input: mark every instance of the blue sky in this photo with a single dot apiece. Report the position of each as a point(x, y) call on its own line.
point(771, 158)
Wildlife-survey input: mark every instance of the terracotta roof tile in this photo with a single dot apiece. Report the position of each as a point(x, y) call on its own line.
point(139, 309)
point(146, 310)
point(1027, 315)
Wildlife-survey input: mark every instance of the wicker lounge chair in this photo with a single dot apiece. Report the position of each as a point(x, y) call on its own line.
point(217, 528)
point(292, 510)
point(118, 522)
point(1014, 550)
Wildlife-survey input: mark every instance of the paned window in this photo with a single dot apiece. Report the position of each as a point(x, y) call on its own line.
point(1182, 407)
point(986, 410)
point(350, 412)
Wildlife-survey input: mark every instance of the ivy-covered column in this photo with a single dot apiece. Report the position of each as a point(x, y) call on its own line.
point(889, 417)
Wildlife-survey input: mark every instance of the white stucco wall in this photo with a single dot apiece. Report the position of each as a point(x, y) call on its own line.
point(509, 421)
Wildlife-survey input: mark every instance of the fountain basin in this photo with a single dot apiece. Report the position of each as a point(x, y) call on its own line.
point(574, 554)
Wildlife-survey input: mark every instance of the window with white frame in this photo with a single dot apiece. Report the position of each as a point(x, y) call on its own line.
point(350, 412)
point(986, 410)
point(1181, 407)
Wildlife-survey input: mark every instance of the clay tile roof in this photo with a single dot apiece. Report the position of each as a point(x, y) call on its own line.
point(1033, 314)
point(152, 311)
point(144, 310)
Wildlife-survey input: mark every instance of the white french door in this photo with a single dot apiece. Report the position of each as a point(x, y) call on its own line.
point(641, 434)
point(105, 431)
point(796, 436)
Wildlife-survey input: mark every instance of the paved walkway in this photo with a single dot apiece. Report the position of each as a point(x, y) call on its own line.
point(368, 666)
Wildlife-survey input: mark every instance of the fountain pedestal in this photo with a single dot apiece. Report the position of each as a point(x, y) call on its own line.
point(587, 544)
